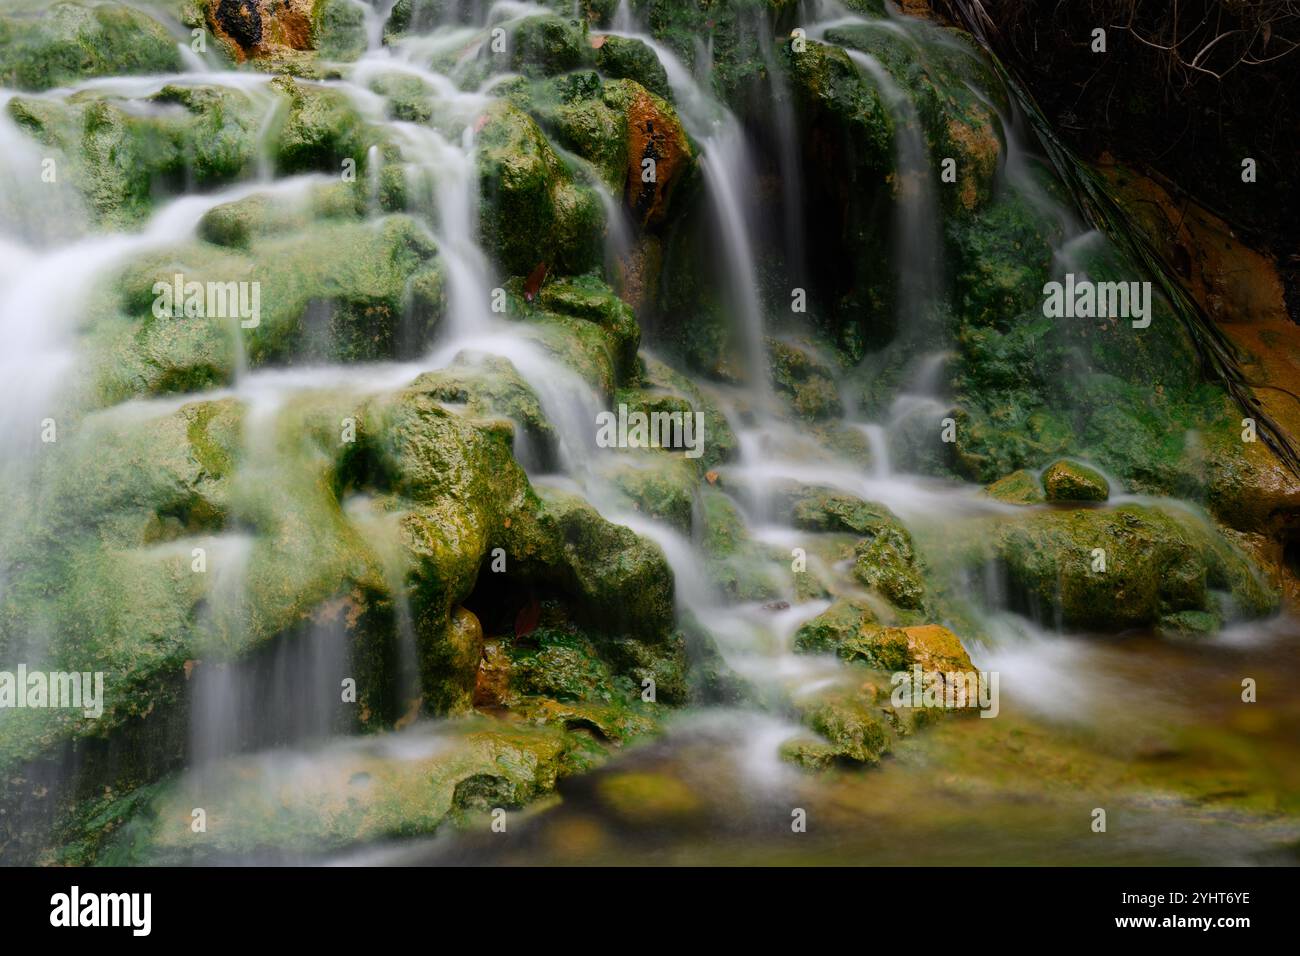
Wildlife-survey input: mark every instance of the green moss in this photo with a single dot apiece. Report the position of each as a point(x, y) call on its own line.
point(808, 382)
point(532, 211)
point(74, 41)
point(338, 291)
point(1156, 564)
point(666, 390)
point(1072, 481)
point(940, 71)
point(884, 558)
point(321, 129)
point(836, 629)
point(623, 58)
point(354, 792)
point(546, 44)
point(659, 484)
point(850, 728)
point(1018, 488)
point(339, 29)
point(587, 297)
point(120, 159)
point(417, 16)
point(623, 582)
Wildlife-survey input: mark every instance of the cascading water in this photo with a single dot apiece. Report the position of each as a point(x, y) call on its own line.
point(268, 711)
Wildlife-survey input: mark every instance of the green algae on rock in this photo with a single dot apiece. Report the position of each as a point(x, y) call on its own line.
point(1021, 487)
point(355, 792)
point(1072, 481)
point(530, 200)
point(1130, 566)
point(75, 41)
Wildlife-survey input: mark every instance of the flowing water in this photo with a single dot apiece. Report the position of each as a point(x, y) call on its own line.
point(1086, 720)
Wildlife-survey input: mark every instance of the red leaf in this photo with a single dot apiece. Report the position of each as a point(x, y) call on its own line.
point(535, 280)
point(526, 619)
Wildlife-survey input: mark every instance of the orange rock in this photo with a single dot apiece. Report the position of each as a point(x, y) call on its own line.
point(492, 684)
point(257, 28)
point(653, 134)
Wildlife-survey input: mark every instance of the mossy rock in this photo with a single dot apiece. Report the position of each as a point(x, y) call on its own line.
point(532, 210)
point(849, 629)
point(573, 112)
point(662, 485)
point(805, 379)
point(340, 290)
point(884, 559)
point(1157, 564)
point(353, 792)
point(622, 582)
point(1018, 488)
point(625, 58)
point(489, 387)
point(851, 725)
point(958, 123)
point(339, 30)
point(663, 389)
point(847, 134)
point(120, 160)
point(320, 130)
point(108, 565)
point(836, 630)
point(587, 297)
point(1072, 481)
point(659, 154)
point(545, 45)
point(1029, 389)
point(288, 35)
point(414, 16)
point(69, 42)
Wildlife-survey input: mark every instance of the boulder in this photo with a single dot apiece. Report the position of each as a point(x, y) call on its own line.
point(1157, 564)
point(1071, 481)
point(532, 212)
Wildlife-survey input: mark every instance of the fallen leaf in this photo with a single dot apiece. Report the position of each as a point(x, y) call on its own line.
point(535, 280)
point(711, 477)
point(527, 618)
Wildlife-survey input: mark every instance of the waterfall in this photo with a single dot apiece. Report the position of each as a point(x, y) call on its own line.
point(728, 173)
point(916, 218)
point(770, 537)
